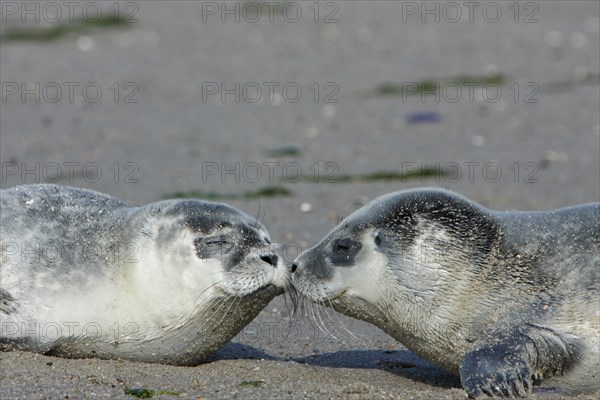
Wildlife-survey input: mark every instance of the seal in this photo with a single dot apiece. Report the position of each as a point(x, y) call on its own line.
point(85, 275)
point(505, 300)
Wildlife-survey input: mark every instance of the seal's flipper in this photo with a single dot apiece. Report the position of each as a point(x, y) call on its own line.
point(496, 371)
point(552, 353)
point(510, 367)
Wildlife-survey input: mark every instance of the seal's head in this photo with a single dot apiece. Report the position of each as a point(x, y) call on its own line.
point(218, 247)
point(396, 250)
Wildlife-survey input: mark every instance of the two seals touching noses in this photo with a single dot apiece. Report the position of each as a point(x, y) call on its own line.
point(506, 300)
point(85, 275)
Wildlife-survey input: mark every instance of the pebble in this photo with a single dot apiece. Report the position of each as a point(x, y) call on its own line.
point(306, 207)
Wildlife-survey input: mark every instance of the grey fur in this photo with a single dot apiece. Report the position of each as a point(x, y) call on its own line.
point(65, 243)
point(503, 299)
point(7, 302)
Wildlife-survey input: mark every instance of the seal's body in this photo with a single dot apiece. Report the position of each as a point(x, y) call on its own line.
point(505, 300)
point(85, 275)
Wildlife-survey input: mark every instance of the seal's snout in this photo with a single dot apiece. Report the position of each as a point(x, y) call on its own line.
point(270, 259)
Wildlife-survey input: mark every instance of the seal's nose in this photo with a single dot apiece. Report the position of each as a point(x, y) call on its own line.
point(270, 259)
point(293, 268)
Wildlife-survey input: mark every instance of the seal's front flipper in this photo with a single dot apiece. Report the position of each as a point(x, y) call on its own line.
point(496, 371)
point(509, 367)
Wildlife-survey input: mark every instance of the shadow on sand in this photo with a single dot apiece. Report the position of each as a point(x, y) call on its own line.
point(399, 362)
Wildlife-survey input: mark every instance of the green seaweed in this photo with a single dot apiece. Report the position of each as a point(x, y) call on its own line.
point(433, 85)
point(60, 30)
point(389, 89)
point(498, 79)
point(268, 191)
point(252, 383)
point(396, 176)
point(142, 393)
point(284, 151)
point(395, 89)
point(379, 176)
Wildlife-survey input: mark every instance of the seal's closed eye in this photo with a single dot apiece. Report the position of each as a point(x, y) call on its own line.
point(218, 241)
point(346, 244)
point(344, 250)
point(213, 246)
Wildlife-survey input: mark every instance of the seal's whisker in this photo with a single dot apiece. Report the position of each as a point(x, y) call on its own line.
point(316, 317)
point(339, 321)
point(319, 314)
point(233, 301)
point(219, 304)
point(291, 307)
point(298, 313)
point(199, 303)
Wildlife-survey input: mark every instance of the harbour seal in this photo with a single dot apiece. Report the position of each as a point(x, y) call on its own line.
point(85, 275)
point(505, 300)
